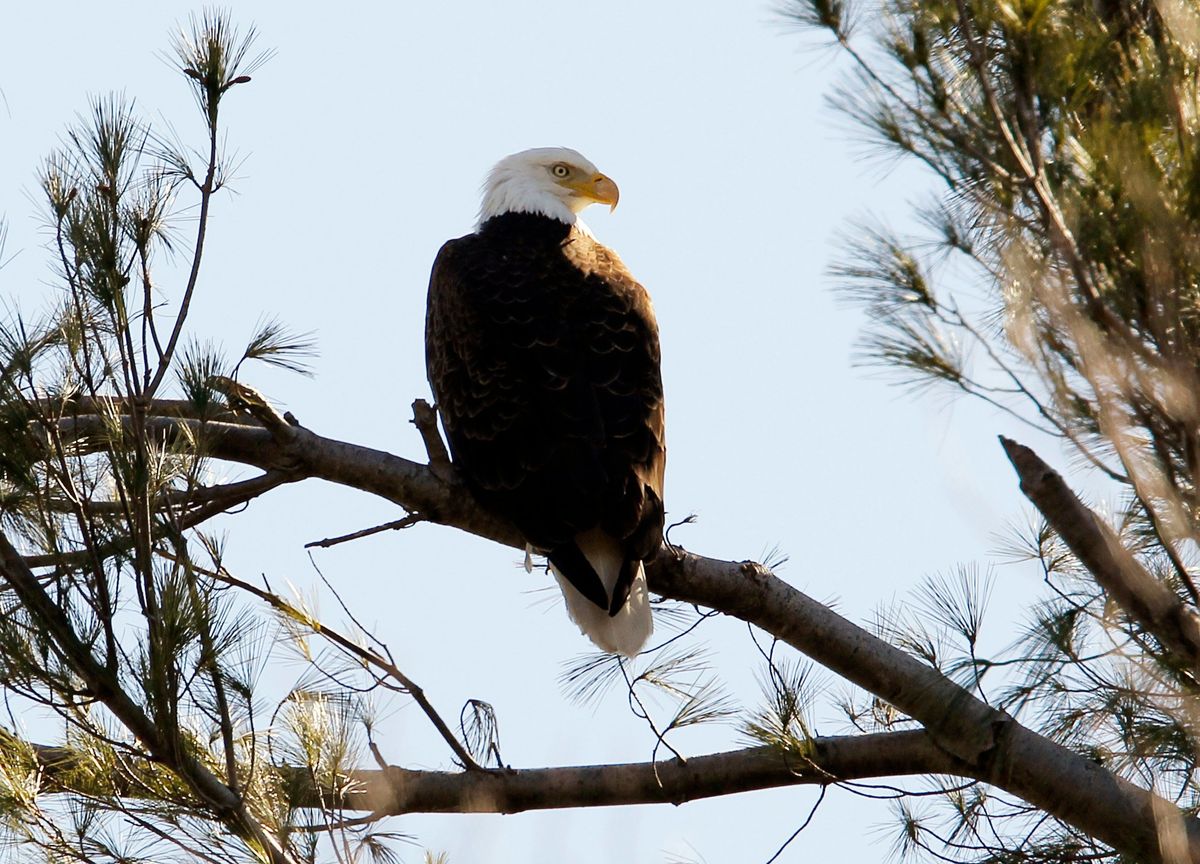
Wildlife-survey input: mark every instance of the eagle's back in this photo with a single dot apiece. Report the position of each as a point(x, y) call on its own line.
point(543, 354)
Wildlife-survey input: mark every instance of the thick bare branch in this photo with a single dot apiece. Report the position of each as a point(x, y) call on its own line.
point(1155, 606)
point(830, 760)
point(997, 747)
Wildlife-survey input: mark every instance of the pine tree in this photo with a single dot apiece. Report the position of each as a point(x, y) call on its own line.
point(1056, 280)
point(1056, 283)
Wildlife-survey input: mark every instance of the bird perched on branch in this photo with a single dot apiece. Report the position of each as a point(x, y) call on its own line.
point(542, 351)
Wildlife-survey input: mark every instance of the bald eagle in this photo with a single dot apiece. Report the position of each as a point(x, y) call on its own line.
point(542, 352)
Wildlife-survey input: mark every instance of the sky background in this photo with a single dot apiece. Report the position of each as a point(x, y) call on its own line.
point(363, 145)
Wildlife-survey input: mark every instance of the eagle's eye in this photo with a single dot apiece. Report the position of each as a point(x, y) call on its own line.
point(560, 170)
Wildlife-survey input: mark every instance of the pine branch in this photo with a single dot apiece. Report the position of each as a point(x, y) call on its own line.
point(401, 790)
point(103, 686)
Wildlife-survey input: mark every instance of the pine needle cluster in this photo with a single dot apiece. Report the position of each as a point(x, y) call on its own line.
point(116, 623)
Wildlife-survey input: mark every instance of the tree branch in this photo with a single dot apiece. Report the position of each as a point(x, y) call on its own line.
point(1002, 751)
point(397, 791)
point(1155, 606)
point(993, 745)
point(830, 760)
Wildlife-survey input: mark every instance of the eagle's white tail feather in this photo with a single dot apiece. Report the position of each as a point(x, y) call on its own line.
point(627, 631)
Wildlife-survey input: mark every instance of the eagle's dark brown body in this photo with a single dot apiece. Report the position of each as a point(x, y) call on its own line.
point(543, 355)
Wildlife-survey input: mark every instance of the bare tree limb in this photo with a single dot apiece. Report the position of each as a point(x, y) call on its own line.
point(674, 781)
point(1002, 751)
point(1154, 605)
point(395, 525)
point(396, 791)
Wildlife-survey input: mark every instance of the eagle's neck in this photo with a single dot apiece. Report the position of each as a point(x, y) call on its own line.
point(528, 226)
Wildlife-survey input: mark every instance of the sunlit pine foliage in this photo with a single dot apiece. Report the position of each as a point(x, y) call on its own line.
point(121, 626)
point(1058, 279)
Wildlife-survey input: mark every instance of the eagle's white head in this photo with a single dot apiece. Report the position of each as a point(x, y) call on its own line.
point(554, 181)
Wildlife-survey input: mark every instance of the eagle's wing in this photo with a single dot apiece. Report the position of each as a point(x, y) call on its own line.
point(624, 363)
point(546, 372)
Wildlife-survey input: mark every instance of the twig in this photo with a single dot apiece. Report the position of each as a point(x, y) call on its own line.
point(803, 825)
point(340, 824)
point(397, 525)
point(690, 519)
point(645, 715)
point(350, 647)
point(425, 419)
point(206, 192)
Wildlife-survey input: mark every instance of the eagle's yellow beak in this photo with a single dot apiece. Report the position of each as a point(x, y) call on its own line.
point(600, 189)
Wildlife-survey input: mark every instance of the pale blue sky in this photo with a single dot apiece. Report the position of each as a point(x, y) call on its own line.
point(364, 141)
